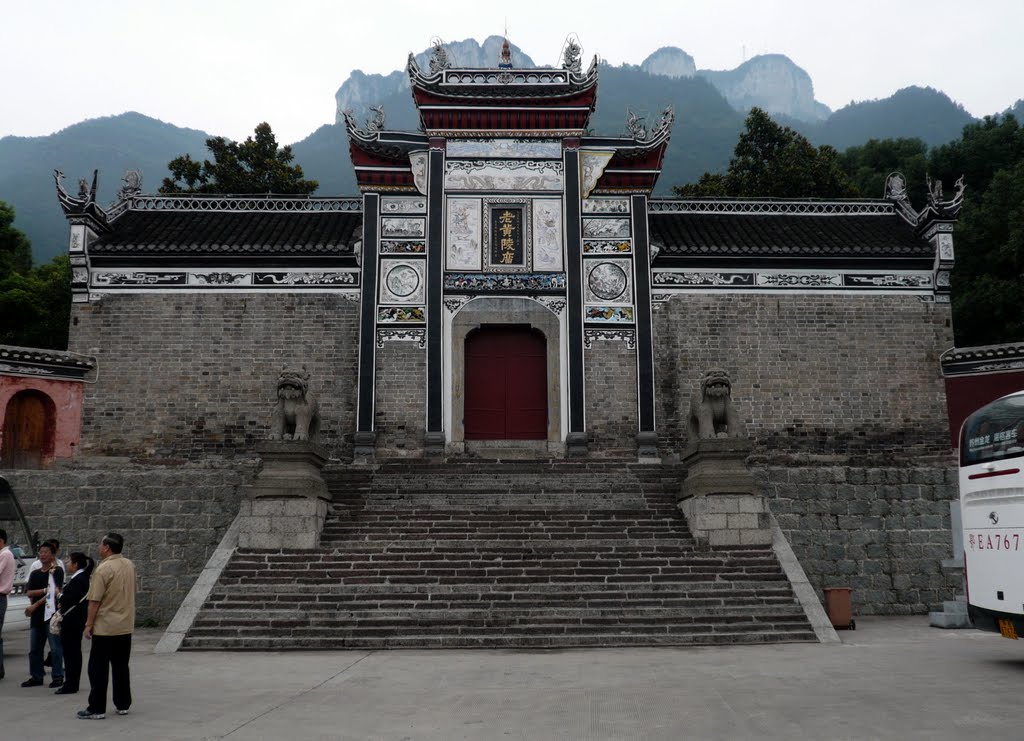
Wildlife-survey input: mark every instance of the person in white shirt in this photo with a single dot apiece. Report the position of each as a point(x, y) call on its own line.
point(7, 569)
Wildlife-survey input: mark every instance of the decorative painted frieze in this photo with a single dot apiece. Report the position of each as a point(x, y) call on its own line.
point(608, 280)
point(398, 226)
point(605, 228)
point(504, 282)
point(912, 281)
point(464, 234)
point(590, 336)
point(507, 148)
point(402, 282)
point(607, 246)
point(401, 315)
point(555, 305)
point(592, 165)
point(216, 279)
point(605, 205)
point(547, 234)
point(402, 247)
point(504, 175)
point(396, 205)
point(609, 314)
point(402, 334)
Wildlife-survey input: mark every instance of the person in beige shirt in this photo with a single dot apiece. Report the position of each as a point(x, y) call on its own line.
point(109, 625)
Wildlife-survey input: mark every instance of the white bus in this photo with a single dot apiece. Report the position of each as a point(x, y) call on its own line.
point(992, 507)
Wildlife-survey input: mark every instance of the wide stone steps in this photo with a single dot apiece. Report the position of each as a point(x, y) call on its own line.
point(486, 554)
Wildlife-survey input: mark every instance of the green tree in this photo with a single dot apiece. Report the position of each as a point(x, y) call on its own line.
point(775, 161)
point(868, 165)
point(15, 250)
point(992, 144)
point(988, 277)
point(257, 165)
point(35, 307)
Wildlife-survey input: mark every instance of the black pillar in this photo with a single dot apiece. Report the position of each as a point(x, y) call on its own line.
point(434, 441)
point(646, 437)
point(366, 438)
point(576, 439)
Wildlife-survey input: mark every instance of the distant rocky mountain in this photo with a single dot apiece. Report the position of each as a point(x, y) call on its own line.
point(771, 82)
point(709, 105)
point(361, 90)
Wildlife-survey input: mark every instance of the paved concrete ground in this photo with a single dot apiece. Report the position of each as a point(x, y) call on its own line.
point(892, 678)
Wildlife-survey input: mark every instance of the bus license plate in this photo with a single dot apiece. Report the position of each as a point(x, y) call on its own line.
point(1007, 630)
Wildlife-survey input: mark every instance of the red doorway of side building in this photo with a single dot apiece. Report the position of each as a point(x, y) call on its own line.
point(506, 384)
point(29, 430)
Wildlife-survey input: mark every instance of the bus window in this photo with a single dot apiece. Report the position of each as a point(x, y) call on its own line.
point(994, 432)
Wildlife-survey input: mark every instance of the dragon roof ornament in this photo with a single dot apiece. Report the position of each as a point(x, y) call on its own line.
point(84, 205)
point(571, 55)
point(936, 207)
point(439, 59)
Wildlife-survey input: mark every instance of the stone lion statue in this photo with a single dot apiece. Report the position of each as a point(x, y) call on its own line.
point(712, 413)
point(296, 415)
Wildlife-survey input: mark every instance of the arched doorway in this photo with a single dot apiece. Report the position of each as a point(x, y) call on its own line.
point(506, 384)
point(29, 430)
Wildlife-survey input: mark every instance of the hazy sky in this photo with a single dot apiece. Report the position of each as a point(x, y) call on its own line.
point(225, 65)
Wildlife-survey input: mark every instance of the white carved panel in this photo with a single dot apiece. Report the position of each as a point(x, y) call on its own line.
point(547, 234)
point(464, 234)
point(503, 175)
point(402, 282)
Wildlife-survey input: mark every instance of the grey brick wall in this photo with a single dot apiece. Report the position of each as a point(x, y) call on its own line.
point(400, 398)
point(882, 531)
point(192, 375)
point(611, 405)
point(172, 518)
point(814, 373)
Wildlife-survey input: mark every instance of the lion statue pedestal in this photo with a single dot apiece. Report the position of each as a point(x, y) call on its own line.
point(718, 497)
point(287, 503)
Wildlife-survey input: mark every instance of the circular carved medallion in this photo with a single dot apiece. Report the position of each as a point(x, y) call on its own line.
point(607, 281)
point(402, 281)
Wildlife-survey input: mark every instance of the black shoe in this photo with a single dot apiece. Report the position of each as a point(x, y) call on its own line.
point(90, 715)
point(65, 690)
point(57, 683)
point(32, 683)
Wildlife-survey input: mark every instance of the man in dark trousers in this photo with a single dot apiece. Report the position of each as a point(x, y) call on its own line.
point(43, 589)
point(109, 624)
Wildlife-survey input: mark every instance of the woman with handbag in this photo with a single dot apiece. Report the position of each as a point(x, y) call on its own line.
point(71, 618)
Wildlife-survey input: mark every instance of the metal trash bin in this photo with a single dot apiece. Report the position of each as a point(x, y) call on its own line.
point(839, 606)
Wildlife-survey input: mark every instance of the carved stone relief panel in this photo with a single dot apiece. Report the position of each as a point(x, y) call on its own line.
point(608, 281)
point(547, 234)
point(605, 228)
point(503, 175)
point(464, 234)
point(395, 226)
point(402, 282)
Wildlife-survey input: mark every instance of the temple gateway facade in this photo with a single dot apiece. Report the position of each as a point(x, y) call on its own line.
point(506, 287)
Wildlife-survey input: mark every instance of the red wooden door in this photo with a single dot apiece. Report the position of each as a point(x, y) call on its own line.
point(28, 433)
point(506, 384)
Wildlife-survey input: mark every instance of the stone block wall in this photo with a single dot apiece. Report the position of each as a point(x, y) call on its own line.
point(883, 531)
point(193, 375)
point(400, 398)
point(816, 373)
point(611, 397)
point(172, 518)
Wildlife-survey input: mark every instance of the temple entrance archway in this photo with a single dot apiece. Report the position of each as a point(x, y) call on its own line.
point(29, 430)
point(506, 384)
point(478, 337)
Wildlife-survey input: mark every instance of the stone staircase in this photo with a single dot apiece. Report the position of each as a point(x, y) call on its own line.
point(421, 554)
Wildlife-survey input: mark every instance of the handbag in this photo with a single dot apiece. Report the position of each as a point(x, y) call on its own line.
point(58, 617)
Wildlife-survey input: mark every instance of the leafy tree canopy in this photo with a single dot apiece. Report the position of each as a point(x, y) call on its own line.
point(869, 164)
point(775, 161)
point(257, 165)
point(15, 250)
point(35, 303)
